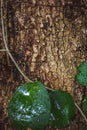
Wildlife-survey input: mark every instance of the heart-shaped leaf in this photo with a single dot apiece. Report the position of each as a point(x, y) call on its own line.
point(30, 107)
point(63, 108)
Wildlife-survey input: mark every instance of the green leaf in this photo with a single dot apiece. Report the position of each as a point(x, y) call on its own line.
point(63, 109)
point(83, 67)
point(81, 77)
point(85, 129)
point(30, 107)
point(84, 105)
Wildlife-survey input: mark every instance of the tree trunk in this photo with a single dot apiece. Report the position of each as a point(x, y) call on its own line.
point(48, 41)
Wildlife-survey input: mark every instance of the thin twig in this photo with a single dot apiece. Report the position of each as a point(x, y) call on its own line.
point(3, 50)
point(6, 37)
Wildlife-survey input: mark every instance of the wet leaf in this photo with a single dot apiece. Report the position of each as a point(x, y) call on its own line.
point(63, 109)
point(29, 107)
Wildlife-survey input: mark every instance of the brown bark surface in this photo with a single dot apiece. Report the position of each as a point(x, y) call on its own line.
point(48, 41)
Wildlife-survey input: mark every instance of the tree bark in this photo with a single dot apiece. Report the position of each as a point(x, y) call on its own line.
point(48, 41)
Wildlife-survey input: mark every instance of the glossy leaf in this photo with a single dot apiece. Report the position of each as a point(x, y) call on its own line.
point(81, 77)
point(63, 109)
point(29, 107)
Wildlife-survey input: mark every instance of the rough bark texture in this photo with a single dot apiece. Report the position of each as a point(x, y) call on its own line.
point(48, 41)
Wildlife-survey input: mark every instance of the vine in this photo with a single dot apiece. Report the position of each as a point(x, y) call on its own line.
point(16, 65)
point(6, 47)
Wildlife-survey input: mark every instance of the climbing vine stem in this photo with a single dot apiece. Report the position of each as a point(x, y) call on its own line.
point(13, 60)
point(6, 47)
